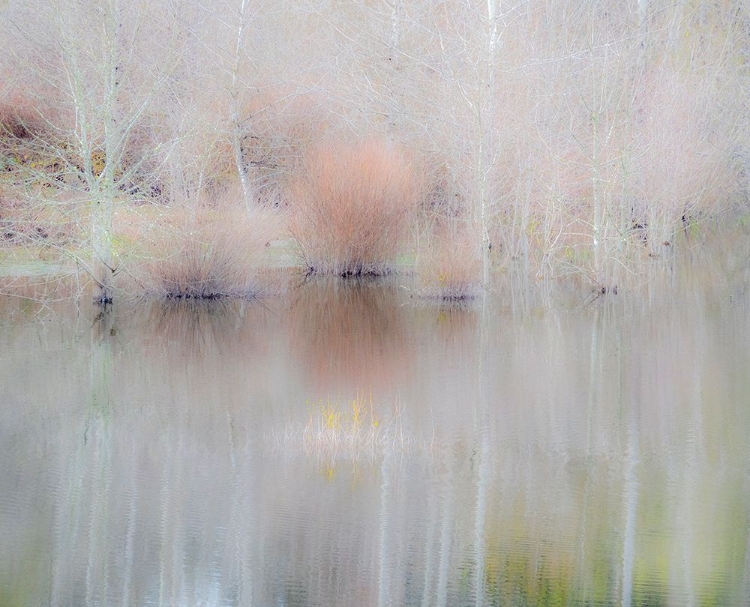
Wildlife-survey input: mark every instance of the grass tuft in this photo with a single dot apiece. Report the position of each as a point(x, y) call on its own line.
point(206, 254)
point(353, 432)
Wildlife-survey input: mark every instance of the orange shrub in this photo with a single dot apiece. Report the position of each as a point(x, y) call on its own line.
point(352, 205)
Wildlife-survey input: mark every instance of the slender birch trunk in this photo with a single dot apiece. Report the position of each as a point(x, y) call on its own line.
point(394, 53)
point(485, 123)
point(598, 219)
point(247, 192)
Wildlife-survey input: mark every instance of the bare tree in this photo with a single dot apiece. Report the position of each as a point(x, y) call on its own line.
point(104, 74)
point(235, 93)
point(110, 93)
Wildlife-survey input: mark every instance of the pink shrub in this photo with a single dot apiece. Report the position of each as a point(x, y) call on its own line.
point(352, 204)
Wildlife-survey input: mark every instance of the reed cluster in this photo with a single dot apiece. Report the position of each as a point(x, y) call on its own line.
point(351, 432)
point(207, 254)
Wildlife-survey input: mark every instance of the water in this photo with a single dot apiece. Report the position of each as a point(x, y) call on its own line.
point(350, 445)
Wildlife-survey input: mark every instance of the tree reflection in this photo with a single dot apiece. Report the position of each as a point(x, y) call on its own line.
point(565, 457)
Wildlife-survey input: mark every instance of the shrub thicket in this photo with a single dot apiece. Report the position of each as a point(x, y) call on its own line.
point(204, 254)
point(351, 206)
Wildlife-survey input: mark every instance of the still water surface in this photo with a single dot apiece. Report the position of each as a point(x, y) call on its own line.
point(352, 446)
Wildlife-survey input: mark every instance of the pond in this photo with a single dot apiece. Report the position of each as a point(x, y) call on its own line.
point(347, 444)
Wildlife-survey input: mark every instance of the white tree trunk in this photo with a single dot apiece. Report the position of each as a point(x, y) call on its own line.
point(247, 192)
point(485, 113)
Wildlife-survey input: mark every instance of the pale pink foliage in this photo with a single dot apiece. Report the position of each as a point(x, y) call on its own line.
point(352, 204)
point(205, 254)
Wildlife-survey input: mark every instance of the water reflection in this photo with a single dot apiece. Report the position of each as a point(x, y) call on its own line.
point(352, 334)
point(159, 455)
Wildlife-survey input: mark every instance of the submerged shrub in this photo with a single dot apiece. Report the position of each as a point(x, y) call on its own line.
point(206, 254)
point(450, 268)
point(352, 205)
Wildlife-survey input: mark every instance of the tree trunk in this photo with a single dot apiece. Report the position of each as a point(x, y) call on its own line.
point(102, 262)
point(485, 121)
point(239, 160)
